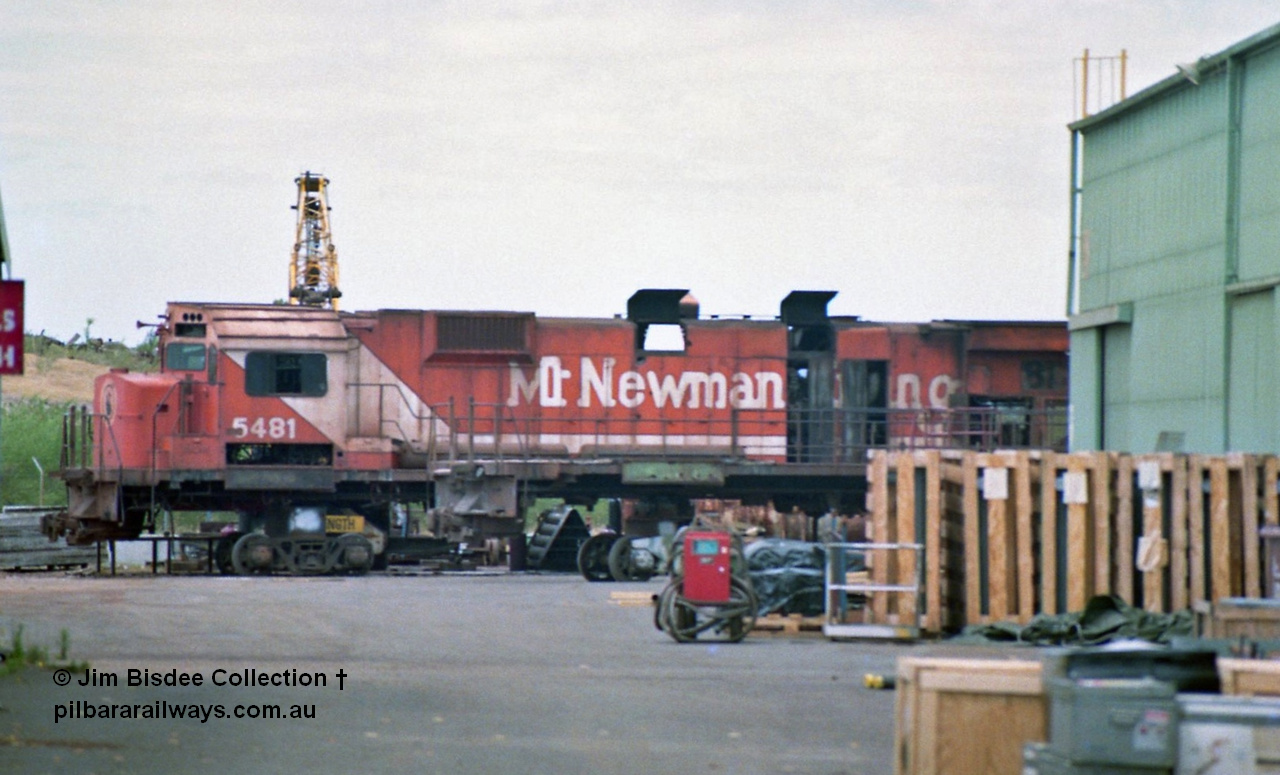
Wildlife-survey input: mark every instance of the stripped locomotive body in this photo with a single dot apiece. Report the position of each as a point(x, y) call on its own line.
point(317, 426)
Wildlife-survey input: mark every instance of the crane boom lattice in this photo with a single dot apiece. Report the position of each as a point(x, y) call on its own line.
point(313, 272)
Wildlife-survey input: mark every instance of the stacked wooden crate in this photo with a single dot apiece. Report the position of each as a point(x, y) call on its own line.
point(1009, 535)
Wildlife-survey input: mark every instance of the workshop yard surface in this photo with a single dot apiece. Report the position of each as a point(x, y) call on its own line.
point(504, 673)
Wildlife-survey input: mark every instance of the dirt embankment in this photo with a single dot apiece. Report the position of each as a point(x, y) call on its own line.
point(56, 379)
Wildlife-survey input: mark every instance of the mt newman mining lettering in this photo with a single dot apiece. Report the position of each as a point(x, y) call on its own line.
point(602, 384)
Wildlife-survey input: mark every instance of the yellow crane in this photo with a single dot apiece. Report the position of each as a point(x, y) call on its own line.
point(313, 272)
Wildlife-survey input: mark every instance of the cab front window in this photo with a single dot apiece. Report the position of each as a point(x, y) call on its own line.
point(184, 356)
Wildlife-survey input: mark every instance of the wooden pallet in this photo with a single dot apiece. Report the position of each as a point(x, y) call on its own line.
point(788, 625)
point(633, 599)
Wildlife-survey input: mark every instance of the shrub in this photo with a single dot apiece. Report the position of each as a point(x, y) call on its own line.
point(30, 428)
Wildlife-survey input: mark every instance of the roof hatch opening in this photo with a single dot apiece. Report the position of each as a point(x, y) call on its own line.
point(659, 315)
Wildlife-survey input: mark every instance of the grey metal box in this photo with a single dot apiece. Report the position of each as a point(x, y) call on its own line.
point(1114, 721)
point(1041, 759)
point(1227, 735)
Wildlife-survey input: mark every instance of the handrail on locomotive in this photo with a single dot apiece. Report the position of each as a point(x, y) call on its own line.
point(480, 433)
point(852, 432)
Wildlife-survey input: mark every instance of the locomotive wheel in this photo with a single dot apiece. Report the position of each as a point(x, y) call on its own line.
point(492, 551)
point(620, 559)
point(222, 549)
point(593, 556)
point(252, 553)
point(355, 553)
point(622, 565)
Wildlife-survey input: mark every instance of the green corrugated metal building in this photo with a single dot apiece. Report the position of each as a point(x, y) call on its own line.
point(1175, 261)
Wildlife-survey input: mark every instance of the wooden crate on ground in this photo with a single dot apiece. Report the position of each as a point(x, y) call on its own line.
point(962, 716)
point(1249, 677)
point(1235, 617)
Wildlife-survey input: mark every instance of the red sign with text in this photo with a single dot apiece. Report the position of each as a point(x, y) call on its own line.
point(11, 300)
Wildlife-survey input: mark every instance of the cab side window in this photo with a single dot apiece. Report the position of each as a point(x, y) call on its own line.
point(286, 374)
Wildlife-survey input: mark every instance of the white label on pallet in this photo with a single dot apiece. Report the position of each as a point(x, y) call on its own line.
point(1075, 487)
point(995, 484)
point(1148, 475)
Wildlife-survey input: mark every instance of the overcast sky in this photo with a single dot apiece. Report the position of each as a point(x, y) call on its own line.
point(557, 156)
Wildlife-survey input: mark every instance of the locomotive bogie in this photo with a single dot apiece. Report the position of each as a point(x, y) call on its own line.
point(306, 539)
point(258, 553)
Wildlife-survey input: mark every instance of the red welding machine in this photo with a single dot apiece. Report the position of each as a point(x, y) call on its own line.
point(706, 567)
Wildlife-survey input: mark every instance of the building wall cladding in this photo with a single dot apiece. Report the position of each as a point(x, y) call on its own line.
point(1174, 326)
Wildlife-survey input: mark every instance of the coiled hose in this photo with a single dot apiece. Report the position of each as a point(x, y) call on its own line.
point(685, 620)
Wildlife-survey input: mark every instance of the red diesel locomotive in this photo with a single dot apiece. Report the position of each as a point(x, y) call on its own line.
point(316, 425)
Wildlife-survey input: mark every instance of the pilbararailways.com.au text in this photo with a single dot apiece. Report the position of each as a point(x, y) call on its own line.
point(250, 677)
point(75, 710)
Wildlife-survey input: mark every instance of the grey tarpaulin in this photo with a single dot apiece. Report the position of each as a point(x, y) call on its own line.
point(1104, 618)
point(787, 575)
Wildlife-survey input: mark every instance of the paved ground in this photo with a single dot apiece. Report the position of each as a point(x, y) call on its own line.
point(448, 674)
